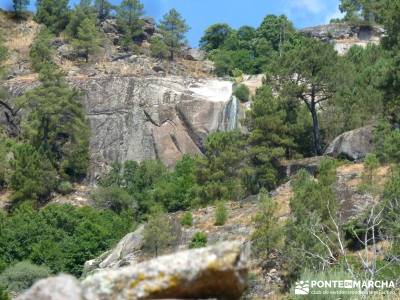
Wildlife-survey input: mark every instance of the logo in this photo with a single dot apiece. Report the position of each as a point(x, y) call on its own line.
point(302, 288)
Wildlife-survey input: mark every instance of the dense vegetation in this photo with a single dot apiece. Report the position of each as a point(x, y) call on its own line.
point(310, 95)
point(60, 237)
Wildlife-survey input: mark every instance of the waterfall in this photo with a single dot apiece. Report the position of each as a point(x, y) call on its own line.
point(231, 112)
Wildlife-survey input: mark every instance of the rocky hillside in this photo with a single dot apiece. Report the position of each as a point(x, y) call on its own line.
point(128, 262)
point(139, 108)
point(343, 36)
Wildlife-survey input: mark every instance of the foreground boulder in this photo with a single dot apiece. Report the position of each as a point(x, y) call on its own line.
point(353, 145)
point(218, 272)
point(62, 287)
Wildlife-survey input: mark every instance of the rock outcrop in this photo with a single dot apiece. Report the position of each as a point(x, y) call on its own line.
point(123, 254)
point(129, 251)
point(151, 117)
point(344, 35)
point(219, 272)
point(353, 145)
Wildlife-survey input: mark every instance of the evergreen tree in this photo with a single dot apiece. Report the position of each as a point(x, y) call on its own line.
point(359, 98)
point(84, 10)
point(56, 124)
point(268, 138)
point(41, 51)
point(103, 8)
point(215, 36)
point(391, 43)
point(32, 175)
point(221, 169)
point(52, 13)
point(88, 38)
point(20, 7)
point(267, 233)
point(309, 72)
point(276, 30)
point(311, 225)
point(158, 48)
point(361, 10)
point(157, 233)
point(129, 14)
point(173, 28)
point(174, 191)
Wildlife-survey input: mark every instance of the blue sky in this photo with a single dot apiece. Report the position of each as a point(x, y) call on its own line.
point(199, 14)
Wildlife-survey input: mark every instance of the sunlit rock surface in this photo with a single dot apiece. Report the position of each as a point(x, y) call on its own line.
point(148, 117)
point(343, 36)
point(218, 272)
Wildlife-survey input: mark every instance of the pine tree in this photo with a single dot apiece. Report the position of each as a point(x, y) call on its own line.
point(221, 168)
point(56, 124)
point(215, 36)
point(20, 7)
point(41, 51)
point(311, 225)
point(269, 136)
point(309, 72)
point(158, 48)
point(268, 232)
point(81, 12)
point(52, 13)
point(103, 8)
point(129, 22)
point(88, 38)
point(157, 232)
point(361, 10)
point(391, 43)
point(32, 175)
point(173, 28)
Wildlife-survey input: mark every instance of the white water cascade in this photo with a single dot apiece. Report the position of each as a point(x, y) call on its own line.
point(230, 114)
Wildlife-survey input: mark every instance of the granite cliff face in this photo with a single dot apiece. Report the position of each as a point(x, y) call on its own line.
point(152, 117)
point(343, 36)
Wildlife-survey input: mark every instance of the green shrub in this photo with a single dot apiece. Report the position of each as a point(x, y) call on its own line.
point(187, 219)
point(387, 143)
point(61, 237)
point(199, 240)
point(22, 275)
point(242, 92)
point(221, 214)
point(368, 184)
point(311, 223)
point(114, 198)
point(237, 73)
point(65, 187)
point(267, 230)
point(157, 234)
